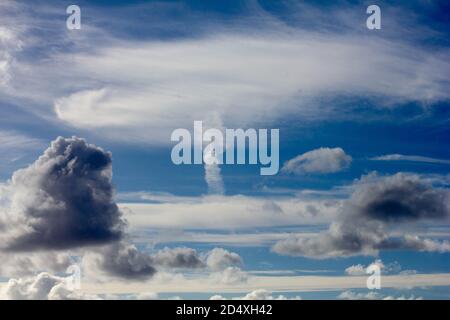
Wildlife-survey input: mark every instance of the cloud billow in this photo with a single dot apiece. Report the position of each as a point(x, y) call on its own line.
point(376, 208)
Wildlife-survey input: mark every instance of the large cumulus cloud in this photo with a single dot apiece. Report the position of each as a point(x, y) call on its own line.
point(63, 200)
point(378, 207)
point(62, 206)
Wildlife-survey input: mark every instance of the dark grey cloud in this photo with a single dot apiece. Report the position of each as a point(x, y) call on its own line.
point(401, 197)
point(376, 208)
point(124, 260)
point(120, 260)
point(63, 200)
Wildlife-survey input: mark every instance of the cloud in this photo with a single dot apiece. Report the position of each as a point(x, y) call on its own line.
point(10, 141)
point(262, 294)
point(356, 270)
point(372, 295)
point(174, 80)
point(178, 258)
point(44, 286)
point(219, 259)
point(229, 276)
point(401, 157)
point(259, 294)
point(15, 149)
point(19, 264)
point(360, 270)
point(63, 200)
point(125, 261)
point(10, 44)
point(214, 179)
point(322, 160)
point(377, 206)
point(167, 83)
point(145, 296)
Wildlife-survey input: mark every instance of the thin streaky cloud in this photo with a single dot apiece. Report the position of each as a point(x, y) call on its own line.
point(413, 158)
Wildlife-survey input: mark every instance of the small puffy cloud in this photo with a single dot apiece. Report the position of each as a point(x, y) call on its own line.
point(364, 226)
point(219, 259)
point(356, 270)
point(226, 265)
point(259, 294)
point(322, 160)
point(359, 269)
point(372, 295)
point(262, 294)
point(230, 275)
point(63, 200)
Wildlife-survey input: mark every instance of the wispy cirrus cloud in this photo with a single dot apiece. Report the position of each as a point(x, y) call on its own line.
point(413, 158)
point(249, 75)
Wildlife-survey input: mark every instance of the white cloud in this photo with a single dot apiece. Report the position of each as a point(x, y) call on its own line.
point(245, 79)
point(9, 45)
point(262, 294)
point(202, 283)
point(356, 270)
point(390, 268)
point(42, 287)
point(401, 157)
point(372, 295)
point(146, 296)
point(219, 259)
point(165, 85)
point(322, 160)
point(259, 294)
point(229, 276)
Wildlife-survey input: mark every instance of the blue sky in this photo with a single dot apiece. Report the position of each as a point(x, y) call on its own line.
point(137, 70)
